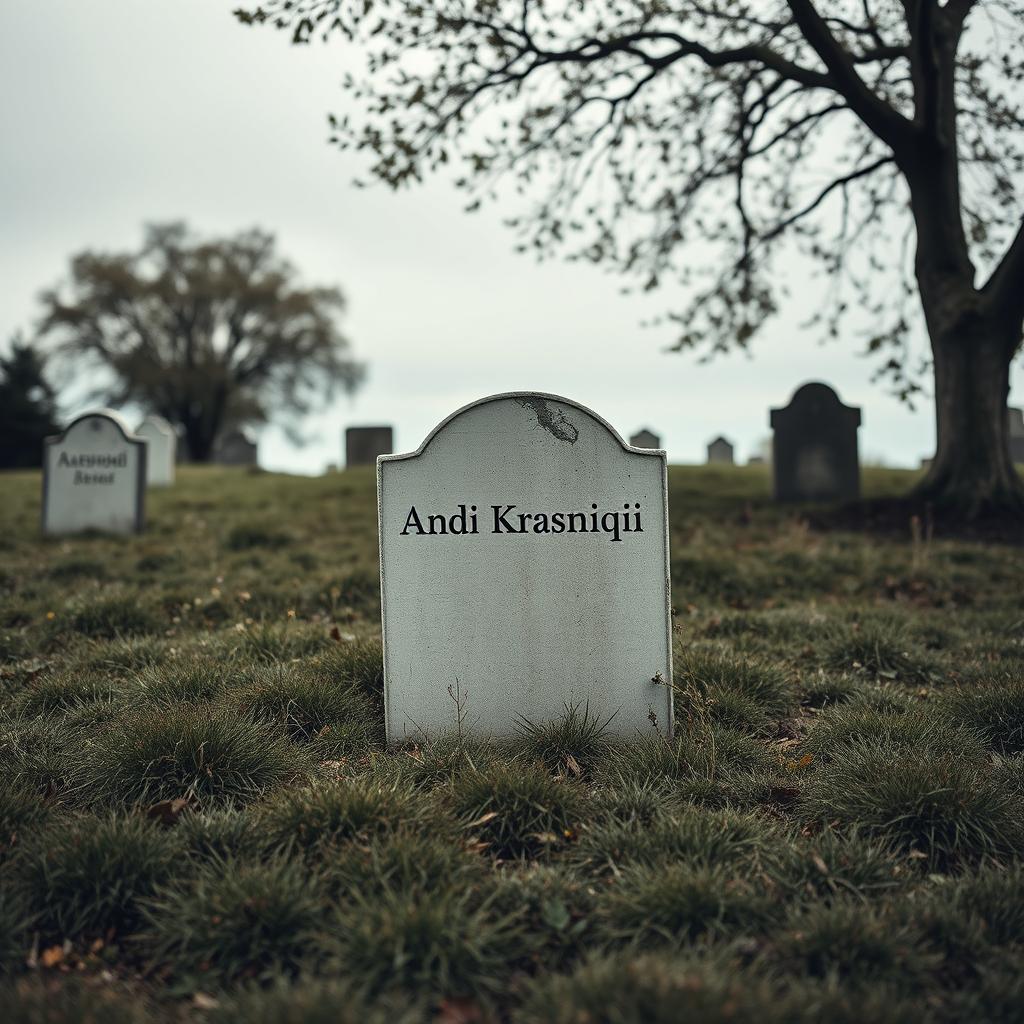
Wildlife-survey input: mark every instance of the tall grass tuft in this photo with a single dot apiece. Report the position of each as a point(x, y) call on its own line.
point(946, 810)
point(86, 876)
point(186, 750)
point(236, 920)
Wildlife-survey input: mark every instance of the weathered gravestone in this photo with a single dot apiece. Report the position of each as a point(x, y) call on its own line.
point(94, 477)
point(161, 451)
point(524, 570)
point(1016, 431)
point(721, 451)
point(234, 449)
point(364, 444)
point(645, 439)
point(814, 447)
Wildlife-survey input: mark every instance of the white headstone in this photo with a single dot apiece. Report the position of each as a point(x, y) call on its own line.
point(524, 569)
point(161, 453)
point(94, 477)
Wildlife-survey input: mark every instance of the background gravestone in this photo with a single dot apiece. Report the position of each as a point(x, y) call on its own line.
point(94, 477)
point(645, 439)
point(1016, 430)
point(814, 447)
point(517, 624)
point(721, 451)
point(364, 444)
point(235, 449)
point(161, 453)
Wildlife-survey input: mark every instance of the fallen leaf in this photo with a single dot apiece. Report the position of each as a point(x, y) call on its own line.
point(201, 1001)
point(573, 765)
point(167, 812)
point(52, 956)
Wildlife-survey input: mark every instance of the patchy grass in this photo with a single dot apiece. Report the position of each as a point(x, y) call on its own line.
point(200, 821)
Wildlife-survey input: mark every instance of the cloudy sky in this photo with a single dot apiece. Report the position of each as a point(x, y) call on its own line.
point(119, 112)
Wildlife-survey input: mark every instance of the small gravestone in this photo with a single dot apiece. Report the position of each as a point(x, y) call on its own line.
point(755, 460)
point(645, 439)
point(814, 447)
point(524, 570)
point(364, 444)
point(94, 477)
point(1016, 431)
point(235, 449)
point(721, 451)
point(161, 451)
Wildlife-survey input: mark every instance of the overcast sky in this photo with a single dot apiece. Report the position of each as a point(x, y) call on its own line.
point(118, 112)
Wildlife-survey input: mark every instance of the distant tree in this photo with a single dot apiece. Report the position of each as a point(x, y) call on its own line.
point(882, 137)
point(207, 333)
point(28, 407)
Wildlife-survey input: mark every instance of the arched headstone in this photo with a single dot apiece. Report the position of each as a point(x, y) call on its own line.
point(235, 449)
point(1015, 419)
point(524, 569)
point(161, 454)
point(814, 447)
point(364, 444)
point(645, 439)
point(721, 451)
point(94, 477)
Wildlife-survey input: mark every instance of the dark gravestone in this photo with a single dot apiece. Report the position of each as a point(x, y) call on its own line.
point(1016, 431)
point(721, 451)
point(645, 439)
point(234, 449)
point(814, 447)
point(364, 444)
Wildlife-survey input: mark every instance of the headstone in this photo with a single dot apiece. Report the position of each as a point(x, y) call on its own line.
point(161, 453)
point(720, 451)
point(755, 460)
point(364, 444)
point(94, 477)
point(814, 448)
point(645, 439)
point(1016, 430)
point(524, 570)
point(234, 449)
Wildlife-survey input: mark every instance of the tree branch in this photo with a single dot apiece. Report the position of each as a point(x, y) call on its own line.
point(887, 123)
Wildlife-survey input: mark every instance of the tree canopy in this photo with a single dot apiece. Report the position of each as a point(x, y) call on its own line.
point(28, 406)
point(209, 333)
point(692, 141)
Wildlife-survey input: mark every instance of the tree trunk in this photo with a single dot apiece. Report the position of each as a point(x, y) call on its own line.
point(198, 438)
point(972, 473)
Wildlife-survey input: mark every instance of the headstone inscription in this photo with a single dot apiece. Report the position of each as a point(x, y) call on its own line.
point(364, 444)
point(94, 477)
point(234, 449)
point(1016, 431)
point(524, 571)
point(721, 451)
point(814, 447)
point(161, 451)
point(645, 439)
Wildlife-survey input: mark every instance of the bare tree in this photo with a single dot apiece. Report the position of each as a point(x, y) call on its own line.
point(208, 333)
point(880, 137)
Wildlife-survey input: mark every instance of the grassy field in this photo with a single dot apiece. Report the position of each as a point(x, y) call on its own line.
point(199, 819)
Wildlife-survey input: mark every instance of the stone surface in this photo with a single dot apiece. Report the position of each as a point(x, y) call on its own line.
point(94, 477)
point(1016, 424)
point(161, 453)
point(235, 449)
point(364, 444)
point(645, 439)
point(721, 451)
point(814, 447)
point(513, 618)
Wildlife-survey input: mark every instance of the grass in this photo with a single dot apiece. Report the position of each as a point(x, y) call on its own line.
point(200, 820)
